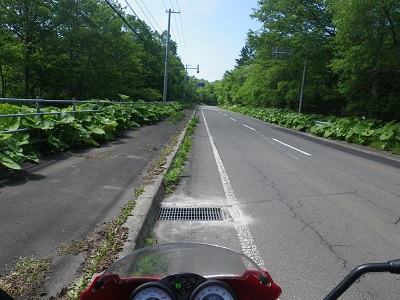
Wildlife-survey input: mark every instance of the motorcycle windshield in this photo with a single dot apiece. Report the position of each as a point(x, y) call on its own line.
point(165, 259)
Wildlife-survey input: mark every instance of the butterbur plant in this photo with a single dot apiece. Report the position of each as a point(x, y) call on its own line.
point(62, 128)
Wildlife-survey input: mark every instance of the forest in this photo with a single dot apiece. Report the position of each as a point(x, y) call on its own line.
point(349, 50)
point(84, 49)
point(345, 52)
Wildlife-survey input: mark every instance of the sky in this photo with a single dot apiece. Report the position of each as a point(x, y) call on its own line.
point(209, 33)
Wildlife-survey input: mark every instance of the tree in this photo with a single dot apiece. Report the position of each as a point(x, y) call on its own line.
point(306, 31)
point(367, 48)
point(32, 22)
point(246, 55)
point(81, 49)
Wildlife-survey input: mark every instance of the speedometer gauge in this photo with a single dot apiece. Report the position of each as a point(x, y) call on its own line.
point(213, 290)
point(152, 291)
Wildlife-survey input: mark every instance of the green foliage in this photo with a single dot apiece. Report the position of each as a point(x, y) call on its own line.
point(81, 49)
point(284, 118)
point(66, 129)
point(368, 132)
point(351, 50)
point(177, 116)
point(172, 177)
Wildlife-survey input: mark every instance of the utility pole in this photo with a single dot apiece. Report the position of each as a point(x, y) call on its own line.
point(187, 78)
point(285, 54)
point(302, 85)
point(167, 55)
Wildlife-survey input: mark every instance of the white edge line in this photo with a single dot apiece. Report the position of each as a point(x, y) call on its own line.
point(245, 237)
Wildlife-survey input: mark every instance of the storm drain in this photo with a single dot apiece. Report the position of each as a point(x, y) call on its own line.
point(190, 214)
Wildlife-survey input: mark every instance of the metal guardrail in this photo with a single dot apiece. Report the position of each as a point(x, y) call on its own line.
point(320, 123)
point(39, 103)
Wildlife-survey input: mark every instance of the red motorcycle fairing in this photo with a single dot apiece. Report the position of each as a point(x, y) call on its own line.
point(246, 287)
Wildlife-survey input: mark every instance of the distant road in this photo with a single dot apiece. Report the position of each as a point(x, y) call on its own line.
point(66, 198)
point(313, 208)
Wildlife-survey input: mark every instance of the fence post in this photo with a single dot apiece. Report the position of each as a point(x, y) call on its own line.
point(37, 105)
point(74, 106)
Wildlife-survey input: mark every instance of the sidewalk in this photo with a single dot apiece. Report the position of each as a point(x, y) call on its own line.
point(66, 197)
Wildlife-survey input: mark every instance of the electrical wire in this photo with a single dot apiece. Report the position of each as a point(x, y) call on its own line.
point(172, 6)
point(147, 16)
point(164, 5)
point(139, 36)
point(183, 40)
point(128, 4)
point(130, 27)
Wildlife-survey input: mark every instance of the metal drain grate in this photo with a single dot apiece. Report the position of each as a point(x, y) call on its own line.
point(190, 214)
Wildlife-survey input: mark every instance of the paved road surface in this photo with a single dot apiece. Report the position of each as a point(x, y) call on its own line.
point(66, 197)
point(309, 210)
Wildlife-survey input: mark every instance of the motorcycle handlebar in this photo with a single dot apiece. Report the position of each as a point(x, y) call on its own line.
point(391, 266)
point(395, 266)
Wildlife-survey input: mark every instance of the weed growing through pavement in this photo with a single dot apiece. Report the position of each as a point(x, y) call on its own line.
point(177, 116)
point(27, 277)
point(171, 179)
point(114, 233)
point(101, 249)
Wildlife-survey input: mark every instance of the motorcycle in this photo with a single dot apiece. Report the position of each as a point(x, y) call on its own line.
point(195, 271)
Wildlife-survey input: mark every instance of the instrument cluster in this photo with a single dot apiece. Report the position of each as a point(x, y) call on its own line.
point(185, 286)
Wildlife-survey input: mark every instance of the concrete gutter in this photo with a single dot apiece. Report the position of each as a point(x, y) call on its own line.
point(148, 205)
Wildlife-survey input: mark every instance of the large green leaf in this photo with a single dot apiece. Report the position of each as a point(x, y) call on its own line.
point(44, 123)
point(5, 160)
point(7, 124)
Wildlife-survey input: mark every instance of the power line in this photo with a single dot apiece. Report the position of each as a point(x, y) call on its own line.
point(178, 5)
point(164, 5)
point(184, 41)
point(159, 27)
point(184, 48)
point(130, 27)
point(140, 37)
point(172, 6)
point(147, 16)
point(127, 3)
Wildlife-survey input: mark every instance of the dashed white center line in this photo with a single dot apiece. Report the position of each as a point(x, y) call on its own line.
point(248, 127)
point(291, 155)
point(291, 147)
point(233, 119)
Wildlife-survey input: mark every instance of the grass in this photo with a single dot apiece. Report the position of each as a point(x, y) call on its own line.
point(171, 179)
point(101, 249)
point(176, 116)
point(27, 277)
point(113, 232)
point(151, 239)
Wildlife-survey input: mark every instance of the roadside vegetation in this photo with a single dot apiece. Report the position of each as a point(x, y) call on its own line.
point(71, 128)
point(368, 132)
point(172, 177)
point(351, 71)
point(27, 278)
point(100, 249)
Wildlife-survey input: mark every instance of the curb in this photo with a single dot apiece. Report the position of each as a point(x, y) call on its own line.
point(148, 205)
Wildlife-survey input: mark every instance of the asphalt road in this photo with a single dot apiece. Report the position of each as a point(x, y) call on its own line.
point(66, 197)
point(307, 209)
